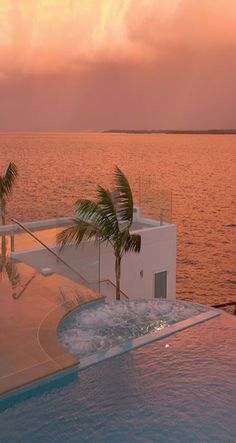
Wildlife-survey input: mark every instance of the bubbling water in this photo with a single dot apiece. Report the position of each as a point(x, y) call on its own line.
point(102, 326)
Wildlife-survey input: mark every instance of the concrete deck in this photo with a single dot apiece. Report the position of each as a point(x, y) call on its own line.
point(29, 347)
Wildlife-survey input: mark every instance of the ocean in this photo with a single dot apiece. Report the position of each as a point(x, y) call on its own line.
point(196, 174)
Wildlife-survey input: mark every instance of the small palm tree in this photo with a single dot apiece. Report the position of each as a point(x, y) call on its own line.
point(107, 220)
point(7, 182)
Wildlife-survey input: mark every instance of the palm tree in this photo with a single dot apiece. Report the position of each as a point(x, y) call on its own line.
point(7, 182)
point(107, 220)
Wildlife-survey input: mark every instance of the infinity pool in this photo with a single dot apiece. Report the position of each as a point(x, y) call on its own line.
point(180, 389)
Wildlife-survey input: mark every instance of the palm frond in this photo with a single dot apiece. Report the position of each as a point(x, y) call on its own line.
point(132, 243)
point(124, 197)
point(8, 180)
point(78, 231)
point(109, 220)
point(2, 201)
point(87, 210)
point(100, 214)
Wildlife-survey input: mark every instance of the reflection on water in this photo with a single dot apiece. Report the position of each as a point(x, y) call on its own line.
point(9, 270)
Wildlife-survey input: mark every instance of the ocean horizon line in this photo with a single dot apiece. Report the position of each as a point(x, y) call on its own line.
point(127, 131)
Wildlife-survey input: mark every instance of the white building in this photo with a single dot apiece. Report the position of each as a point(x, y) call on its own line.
point(149, 274)
point(152, 272)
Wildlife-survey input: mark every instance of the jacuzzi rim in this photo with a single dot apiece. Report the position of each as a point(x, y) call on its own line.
point(146, 339)
point(104, 300)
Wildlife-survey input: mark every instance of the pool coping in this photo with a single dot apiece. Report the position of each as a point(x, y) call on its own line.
point(58, 361)
point(47, 331)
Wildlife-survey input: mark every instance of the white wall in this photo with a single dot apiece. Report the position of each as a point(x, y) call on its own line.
point(158, 253)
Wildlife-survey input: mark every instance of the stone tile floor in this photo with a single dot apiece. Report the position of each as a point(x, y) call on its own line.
point(29, 317)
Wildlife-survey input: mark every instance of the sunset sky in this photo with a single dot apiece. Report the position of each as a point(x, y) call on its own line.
point(98, 64)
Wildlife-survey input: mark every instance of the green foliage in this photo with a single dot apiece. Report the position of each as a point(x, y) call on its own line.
point(7, 182)
point(108, 220)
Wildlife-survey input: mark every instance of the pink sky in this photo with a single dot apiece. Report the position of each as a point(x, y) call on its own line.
point(97, 64)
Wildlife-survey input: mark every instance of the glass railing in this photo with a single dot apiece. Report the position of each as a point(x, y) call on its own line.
point(155, 203)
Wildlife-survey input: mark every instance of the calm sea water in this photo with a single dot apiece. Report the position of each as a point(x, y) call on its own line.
point(200, 170)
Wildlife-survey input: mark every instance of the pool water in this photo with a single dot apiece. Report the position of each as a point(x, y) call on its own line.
point(104, 325)
point(180, 389)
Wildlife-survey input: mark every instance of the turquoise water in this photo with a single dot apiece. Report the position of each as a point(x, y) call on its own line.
point(180, 389)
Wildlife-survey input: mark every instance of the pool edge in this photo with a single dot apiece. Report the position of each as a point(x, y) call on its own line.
point(58, 361)
point(148, 338)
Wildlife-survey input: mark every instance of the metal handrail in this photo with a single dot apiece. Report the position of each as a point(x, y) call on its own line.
point(224, 305)
point(17, 296)
point(49, 249)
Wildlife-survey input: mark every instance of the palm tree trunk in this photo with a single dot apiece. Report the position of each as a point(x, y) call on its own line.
point(118, 269)
point(3, 211)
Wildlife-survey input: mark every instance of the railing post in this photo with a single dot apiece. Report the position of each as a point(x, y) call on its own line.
point(12, 241)
point(161, 216)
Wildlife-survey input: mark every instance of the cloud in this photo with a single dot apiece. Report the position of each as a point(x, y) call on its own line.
point(52, 35)
point(90, 64)
point(47, 36)
point(189, 25)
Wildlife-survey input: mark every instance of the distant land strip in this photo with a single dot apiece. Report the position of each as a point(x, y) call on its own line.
point(172, 131)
